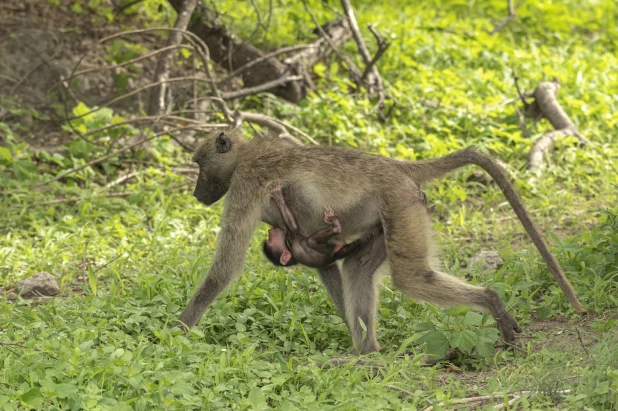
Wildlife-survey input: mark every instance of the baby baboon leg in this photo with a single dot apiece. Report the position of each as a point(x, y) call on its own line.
point(408, 241)
point(360, 293)
point(331, 278)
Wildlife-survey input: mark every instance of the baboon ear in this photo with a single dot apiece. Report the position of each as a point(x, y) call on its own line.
point(223, 143)
point(285, 258)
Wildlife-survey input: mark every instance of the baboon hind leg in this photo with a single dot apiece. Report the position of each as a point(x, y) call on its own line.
point(360, 292)
point(407, 230)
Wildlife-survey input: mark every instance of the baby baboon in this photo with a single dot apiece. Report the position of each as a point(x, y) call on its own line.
point(287, 246)
point(370, 193)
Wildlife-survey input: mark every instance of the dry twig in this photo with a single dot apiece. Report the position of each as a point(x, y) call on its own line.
point(157, 104)
point(485, 398)
point(512, 14)
point(105, 157)
point(373, 80)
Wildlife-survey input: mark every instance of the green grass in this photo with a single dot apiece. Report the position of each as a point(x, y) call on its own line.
point(107, 343)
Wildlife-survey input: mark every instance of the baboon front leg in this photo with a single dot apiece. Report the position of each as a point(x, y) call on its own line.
point(206, 293)
point(360, 292)
point(408, 242)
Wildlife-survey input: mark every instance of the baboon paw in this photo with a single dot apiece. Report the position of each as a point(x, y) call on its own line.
point(329, 215)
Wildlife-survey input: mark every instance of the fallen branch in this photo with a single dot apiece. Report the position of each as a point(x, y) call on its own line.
point(486, 398)
point(121, 180)
point(546, 105)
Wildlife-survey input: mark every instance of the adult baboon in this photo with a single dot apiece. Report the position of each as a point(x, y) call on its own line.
point(368, 192)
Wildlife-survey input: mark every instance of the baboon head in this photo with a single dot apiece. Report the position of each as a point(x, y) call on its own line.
point(217, 157)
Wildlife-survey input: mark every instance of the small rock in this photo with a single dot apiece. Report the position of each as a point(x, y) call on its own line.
point(489, 260)
point(39, 284)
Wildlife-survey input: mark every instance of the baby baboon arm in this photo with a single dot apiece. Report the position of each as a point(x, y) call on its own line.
point(286, 214)
point(240, 215)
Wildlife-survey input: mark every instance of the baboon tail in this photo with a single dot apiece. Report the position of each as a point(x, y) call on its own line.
point(424, 171)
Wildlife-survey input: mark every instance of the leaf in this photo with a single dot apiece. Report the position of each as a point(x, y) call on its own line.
point(65, 390)
point(487, 339)
point(5, 153)
point(437, 343)
point(32, 397)
point(80, 110)
point(256, 398)
point(473, 318)
point(464, 340)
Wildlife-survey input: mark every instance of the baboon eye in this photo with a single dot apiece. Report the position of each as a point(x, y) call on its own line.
point(223, 143)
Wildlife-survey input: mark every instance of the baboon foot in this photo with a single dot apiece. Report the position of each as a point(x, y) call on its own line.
point(506, 323)
point(365, 348)
point(329, 215)
point(508, 327)
point(275, 192)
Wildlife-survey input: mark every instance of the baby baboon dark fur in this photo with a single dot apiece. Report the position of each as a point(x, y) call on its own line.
point(369, 192)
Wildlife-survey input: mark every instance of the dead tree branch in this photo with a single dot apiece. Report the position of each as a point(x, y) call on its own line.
point(373, 82)
point(244, 92)
point(157, 104)
point(546, 105)
point(510, 17)
point(265, 57)
point(231, 52)
point(105, 157)
point(383, 45)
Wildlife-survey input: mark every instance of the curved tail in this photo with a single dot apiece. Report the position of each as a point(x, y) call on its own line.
point(424, 171)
